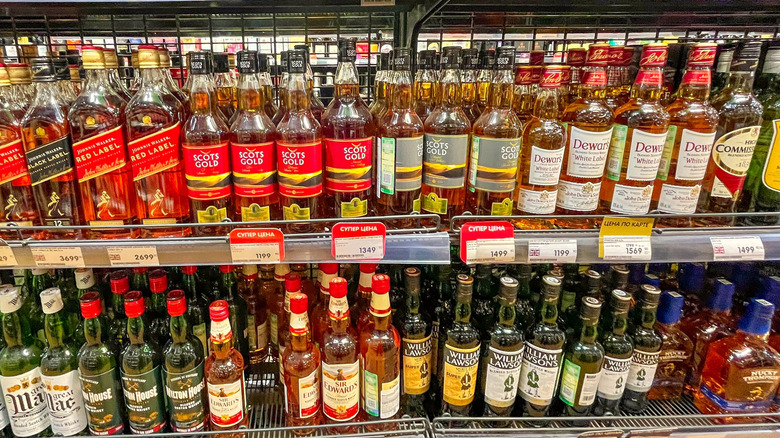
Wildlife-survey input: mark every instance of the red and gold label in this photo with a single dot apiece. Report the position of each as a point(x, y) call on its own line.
point(653, 78)
point(155, 153)
point(595, 78)
point(207, 169)
point(576, 57)
point(654, 55)
point(615, 55)
point(300, 169)
point(702, 55)
point(552, 77)
point(99, 154)
point(697, 77)
point(598, 54)
point(254, 169)
point(523, 75)
point(348, 164)
point(12, 164)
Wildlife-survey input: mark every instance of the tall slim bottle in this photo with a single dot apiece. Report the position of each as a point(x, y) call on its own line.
point(525, 93)
point(417, 349)
point(582, 363)
point(301, 362)
point(425, 84)
point(284, 83)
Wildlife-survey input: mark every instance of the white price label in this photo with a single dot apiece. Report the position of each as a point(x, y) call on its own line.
point(552, 251)
point(133, 256)
point(359, 248)
point(627, 248)
point(58, 257)
point(735, 248)
point(7, 257)
point(490, 250)
point(247, 253)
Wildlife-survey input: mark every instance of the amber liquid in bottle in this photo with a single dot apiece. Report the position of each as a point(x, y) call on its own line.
point(382, 82)
point(266, 85)
point(485, 77)
point(224, 85)
point(525, 93)
point(468, 81)
point(616, 92)
point(425, 85)
point(495, 145)
point(284, 84)
point(348, 129)
point(97, 120)
point(317, 107)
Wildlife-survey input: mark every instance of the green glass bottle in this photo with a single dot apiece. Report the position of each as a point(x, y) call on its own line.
point(140, 281)
point(417, 349)
point(185, 385)
point(158, 334)
point(117, 327)
point(569, 289)
point(442, 315)
point(582, 363)
point(618, 349)
point(197, 307)
point(483, 302)
point(20, 369)
point(40, 281)
point(647, 348)
point(60, 368)
point(228, 291)
point(524, 310)
point(590, 286)
point(141, 378)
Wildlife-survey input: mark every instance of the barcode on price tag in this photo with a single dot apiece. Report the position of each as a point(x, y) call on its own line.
point(552, 251)
point(733, 248)
point(257, 245)
point(133, 256)
point(627, 248)
point(358, 241)
point(58, 257)
point(7, 257)
point(487, 242)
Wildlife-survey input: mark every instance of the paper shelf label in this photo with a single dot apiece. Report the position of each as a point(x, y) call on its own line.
point(487, 242)
point(58, 257)
point(552, 251)
point(133, 256)
point(735, 248)
point(7, 257)
point(358, 241)
point(633, 248)
point(257, 245)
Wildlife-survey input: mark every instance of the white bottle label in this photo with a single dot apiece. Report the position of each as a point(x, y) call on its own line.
point(503, 377)
point(391, 398)
point(539, 374)
point(678, 199)
point(642, 371)
point(545, 166)
point(66, 403)
point(694, 154)
point(731, 155)
point(309, 394)
point(577, 196)
point(614, 374)
point(25, 399)
point(4, 421)
point(341, 390)
point(226, 403)
point(590, 384)
point(262, 335)
point(588, 153)
point(537, 202)
point(631, 200)
point(645, 155)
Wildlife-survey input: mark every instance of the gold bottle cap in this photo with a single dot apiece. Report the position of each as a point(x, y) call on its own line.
point(5, 80)
point(148, 57)
point(74, 73)
point(109, 55)
point(19, 74)
point(92, 58)
point(165, 57)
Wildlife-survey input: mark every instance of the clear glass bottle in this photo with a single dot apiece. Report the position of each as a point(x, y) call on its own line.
point(317, 108)
point(468, 79)
point(266, 85)
point(487, 60)
point(615, 97)
point(425, 84)
point(382, 81)
point(224, 85)
point(284, 84)
point(62, 77)
point(112, 66)
point(525, 93)
point(575, 59)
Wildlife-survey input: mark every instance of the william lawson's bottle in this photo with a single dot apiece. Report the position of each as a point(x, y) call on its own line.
point(417, 350)
point(618, 349)
point(647, 349)
point(582, 363)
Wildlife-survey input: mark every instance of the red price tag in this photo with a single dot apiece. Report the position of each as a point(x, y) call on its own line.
point(358, 241)
point(257, 245)
point(487, 242)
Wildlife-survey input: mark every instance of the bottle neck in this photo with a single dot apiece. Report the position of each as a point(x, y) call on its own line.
point(549, 311)
point(202, 95)
point(249, 95)
point(16, 329)
point(502, 90)
point(463, 311)
point(178, 328)
point(450, 89)
point(401, 90)
point(300, 332)
point(546, 105)
point(96, 80)
point(297, 95)
point(413, 303)
point(135, 330)
point(695, 85)
point(646, 316)
point(118, 303)
point(619, 323)
point(47, 94)
point(593, 90)
point(54, 327)
point(468, 87)
point(741, 81)
point(589, 331)
point(524, 287)
point(93, 331)
point(649, 84)
point(152, 77)
point(506, 313)
point(346, 82)
point(190, 286)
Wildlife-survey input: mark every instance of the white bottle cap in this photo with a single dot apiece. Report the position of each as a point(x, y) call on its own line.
point(249, 269)
point(84, 278)
point(39, 271)
point(10, 300)
point(51, 300)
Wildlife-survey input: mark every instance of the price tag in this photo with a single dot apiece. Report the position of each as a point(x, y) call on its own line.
point(7, 257)
point(627, 248)
point(257, 245)
point(552, 251)
point(732, 248)
point(487, 242)
point(358, 241)
point(133, 256)
point(58, 257)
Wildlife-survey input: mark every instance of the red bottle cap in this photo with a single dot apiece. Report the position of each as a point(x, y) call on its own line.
point(628, 56)
point(654, 55)
point(598, 54)
point(329, 268)
point(292, 283)
point(189, 270)
point(338, 287)
point(177, 303)
point(119, 282)
point(565, 75)
point(158, 281)
point(147, 47)
point(576, 56)
point(616, 55)
point(380, 283)
point(551, 77)
point(218, 310)
point(536, 57)
point(91, 307)
point(225, 269)
point(299, 303)
point(134, 304)
point(91, 47)
point(524, 75)
point(368, 268)
point(140, 270)
point(702, 55)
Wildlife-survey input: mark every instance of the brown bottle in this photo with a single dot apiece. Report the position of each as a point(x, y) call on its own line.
point(348, 130)
point(425, 84)
point(468, 80)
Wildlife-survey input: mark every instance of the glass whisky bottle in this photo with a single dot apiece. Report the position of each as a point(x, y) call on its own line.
point(675, 360)
point(167, 79)
point(8, 94)
point(253, 146)
point(20, 76)
point(224, 85)
point(524, 93)
point(116, 82)
point(485, 74)
point(301, 361)
point(417, 348)
point(348, 129)
point(447, 131)
point(618, 349)
point(582, 363)
point(425, 84)
point(360, 309)
point(495, 145)
point(638, 138)
point(647, 348)
point(317, 107)
point(615, 97)
point(468, 79)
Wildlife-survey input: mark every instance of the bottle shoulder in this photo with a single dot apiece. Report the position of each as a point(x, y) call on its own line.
point(636, 114)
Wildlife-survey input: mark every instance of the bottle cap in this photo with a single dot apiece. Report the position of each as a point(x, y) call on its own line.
point(39, 271)
point(225, 269)
point(690, 277)
point(62, 70)
point(450, 57)
point(92, 58)
point(165, 57)
point(218, 310)
point(329, 268)
point(280, 271)
point(401, 59)
point(628, 56)
point(770, 289)
point(383, 61)
point(110, 58)
point(368, 268)
point(119, 282)
point(412, 272)
point(621, 301)
point(296, 62)
point(158, 281)
point(249, 271)
point(85, 279)
point(636, 273)
point(654, 55)
point(487, 58)
point(91, 307)
point(380, 298)
point(552, 286)
point(484, 270)
point(469, 59)
point(292, 283)
point(189, 270)
point(134, 304)
point(380, 283)
point(592, 279)
point(338, 287)
point(51, 300)
point(305, 48)
point(670, 307)
point(140, 270)
point(615, 55)
point(619, 274)
point(758, 318)
point(551, 76)
point(5, 80)
point(262, 63)
point(148, 57)
point(42, 70)
point(576, 56)
point(505, 59)
point(347, 51)
point(299, 303)
point(247, 61)
point(650, 294)
point(591, 308)
point(426, 59)
point(19, 73)
point(199, 63)
point(702, 55)
point(509, 287)
point(723, 297)
point(10, 299)
point(536, 57)
point(284, 60)
point(465, 279)
point(652, 279)
point(221, 63)
point(177, 302)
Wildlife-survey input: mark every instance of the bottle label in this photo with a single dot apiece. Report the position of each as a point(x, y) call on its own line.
point(642, 371)
point(617, 147)
point(577, 196)
point(754, 385)
point(99, 154)
point(417, 365)
point(355, 208)
point(678, 199)
point(341, 390)
point(644, 155)
point(460, 374)
point(444, 162)
point(698, 77)
point(251, 332)
point(570, 385)
point(537, 202)
point(66, 403)
point(274, 329)
point(732, 154)
point(4, 421)
point(12, 163)
point(587, 152)
point(220, 330)
point(207, 169)
point(631, 200)
point(493, 165)
point(144, 401)
point(673, 368)
point(25, 399)
point(694, 154)
point(186, 406)
point(226, 403)
point(348, 164)
point(399, 166)
point(391, 398)
point(254, 169)
point(770, 176)
point(432, 203)
point(652, 78)
point(309, 394)
point(434, 348)
point(300, 171)
point(503, 376)
point(614, 374)
point(255, 212)
point(539, 374)
point(155, 153)
point(102, 402)
point(50, 160)
point(262, 335)
point(745, 405)
point(545, 166)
